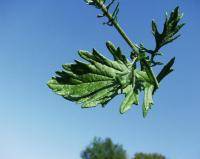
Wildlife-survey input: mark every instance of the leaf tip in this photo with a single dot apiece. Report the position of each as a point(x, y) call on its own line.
point(51, 83)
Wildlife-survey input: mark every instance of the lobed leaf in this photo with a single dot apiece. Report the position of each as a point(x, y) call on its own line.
point(171, 28)
point(97, 81)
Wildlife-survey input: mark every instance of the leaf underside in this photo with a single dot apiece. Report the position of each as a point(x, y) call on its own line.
point(101, 79)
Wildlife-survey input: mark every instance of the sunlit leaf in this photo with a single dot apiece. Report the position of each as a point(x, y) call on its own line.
point(148, 98)
point(99, 80)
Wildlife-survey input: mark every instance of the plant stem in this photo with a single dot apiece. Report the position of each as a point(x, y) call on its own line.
point(118, 27)
point(128, 41)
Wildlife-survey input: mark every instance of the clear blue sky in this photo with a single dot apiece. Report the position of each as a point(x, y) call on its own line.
point(37, 36)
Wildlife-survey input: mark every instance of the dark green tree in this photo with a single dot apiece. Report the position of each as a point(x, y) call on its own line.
point(103, 149)
point(148, 156)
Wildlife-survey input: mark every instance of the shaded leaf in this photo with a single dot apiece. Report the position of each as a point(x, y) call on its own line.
point(166, 70)
point(171, 28)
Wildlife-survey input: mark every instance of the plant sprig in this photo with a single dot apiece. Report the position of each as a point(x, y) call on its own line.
point(101, 79)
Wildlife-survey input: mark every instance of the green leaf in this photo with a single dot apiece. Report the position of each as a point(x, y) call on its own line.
point(148, 98)
point(171, 28)
point(142, 76)
point(117, 54)
point(150, 73)
point(97, 57)
point(95, 3)
point(166, 70)
point(154, 28)
point(131, 97)
point(99, 80)
point(101, 97)
point(76, 91)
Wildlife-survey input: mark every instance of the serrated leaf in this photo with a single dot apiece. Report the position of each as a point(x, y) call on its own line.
point(101, 79)
point(97, 81)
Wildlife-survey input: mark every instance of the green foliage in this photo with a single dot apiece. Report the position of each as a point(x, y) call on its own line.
point(103, 149)
point(171, 27)
point(100, 79)
point(148, 156)
point(95, 3)
point(166, 70)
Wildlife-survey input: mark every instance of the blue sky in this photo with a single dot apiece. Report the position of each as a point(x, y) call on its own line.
point(37, 36)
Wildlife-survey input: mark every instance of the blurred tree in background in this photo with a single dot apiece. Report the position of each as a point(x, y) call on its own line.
point(106, 149)
point(148, 156)
point(103, 149)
